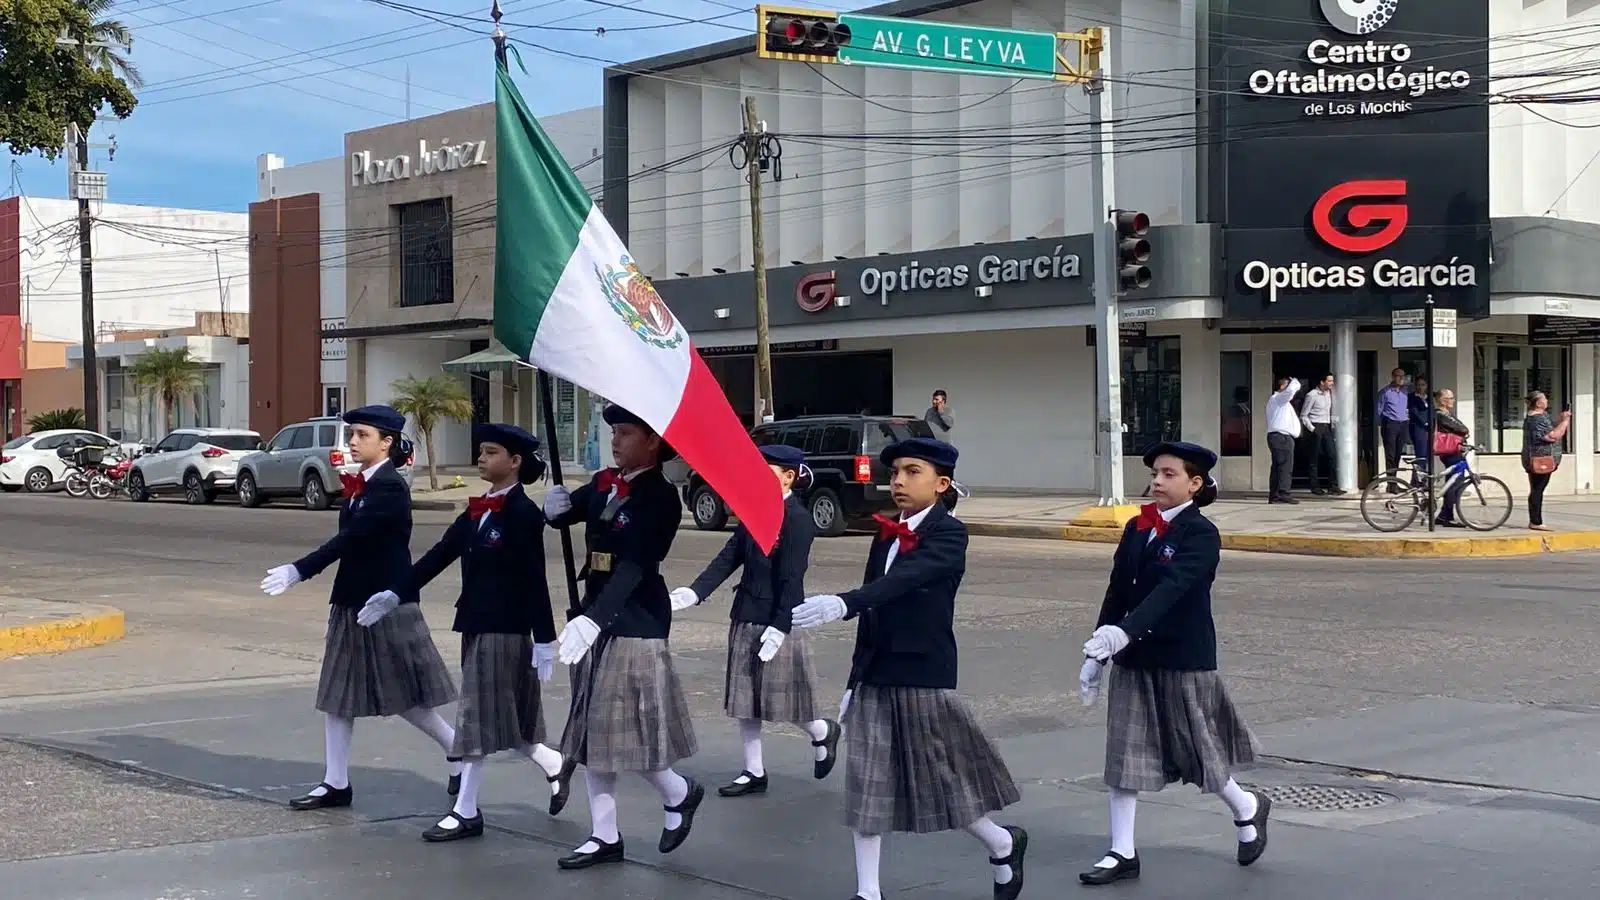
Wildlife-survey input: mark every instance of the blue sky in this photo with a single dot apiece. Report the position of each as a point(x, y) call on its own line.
point(226, 80)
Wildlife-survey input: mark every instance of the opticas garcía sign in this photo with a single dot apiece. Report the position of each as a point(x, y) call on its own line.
point(1363, 77)
point(1374, 216)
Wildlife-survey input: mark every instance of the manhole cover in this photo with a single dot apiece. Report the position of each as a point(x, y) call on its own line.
point(1320, 798)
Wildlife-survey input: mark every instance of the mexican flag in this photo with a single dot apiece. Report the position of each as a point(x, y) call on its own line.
point(570, 300)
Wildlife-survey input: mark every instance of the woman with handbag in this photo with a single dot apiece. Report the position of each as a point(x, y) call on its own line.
point(1541, 453)
point(1449, 432)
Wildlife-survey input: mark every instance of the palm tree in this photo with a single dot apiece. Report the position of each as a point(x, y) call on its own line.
point(108, 42)
point(170, 375)
point(429, 401)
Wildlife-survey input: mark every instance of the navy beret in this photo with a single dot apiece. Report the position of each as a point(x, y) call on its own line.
point(383, 418)
point(616, 415)
point(1194, 454)
point(924, 448)
point(514, 439)
point(783, 455)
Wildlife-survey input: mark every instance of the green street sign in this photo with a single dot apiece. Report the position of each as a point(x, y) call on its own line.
point(947, 47)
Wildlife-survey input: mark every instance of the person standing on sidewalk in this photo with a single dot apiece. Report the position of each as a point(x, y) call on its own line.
point(940, 417)
point(1419, 410)
point(1541, 452)
point(1451, 433)
point(1394, 421)
point(1283, 428)
point(1316, 414)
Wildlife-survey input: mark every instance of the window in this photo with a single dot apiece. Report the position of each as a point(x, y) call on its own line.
point(427, 253)
point(1236, 422)
point(301, 438)
point(1151, 402)
point(794, 436)
point(764, 436)
point(169, 443)
point(188, 440)
point(52, 442)
point(333, 401)
point(879, 436)
point(327, 435)
point(232, 441)
point(1506, 373)
point(16, 442)
point(280, 441)
point(838, 440)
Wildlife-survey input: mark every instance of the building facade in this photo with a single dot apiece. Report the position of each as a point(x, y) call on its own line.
point(928, 231)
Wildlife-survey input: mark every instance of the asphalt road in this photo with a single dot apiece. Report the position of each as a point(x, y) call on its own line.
point(1438, 673)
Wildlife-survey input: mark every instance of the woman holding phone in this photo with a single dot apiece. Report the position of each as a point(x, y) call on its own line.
point(1541, 452)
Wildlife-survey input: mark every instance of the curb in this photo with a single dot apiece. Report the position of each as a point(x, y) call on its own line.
point(93, 629)
point(1308, 545)
point(439, 505)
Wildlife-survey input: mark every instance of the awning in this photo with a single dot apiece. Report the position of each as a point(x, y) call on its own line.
point(494, 359)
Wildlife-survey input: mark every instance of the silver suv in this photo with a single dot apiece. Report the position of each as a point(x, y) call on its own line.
point(199, 462)
point(303, 460)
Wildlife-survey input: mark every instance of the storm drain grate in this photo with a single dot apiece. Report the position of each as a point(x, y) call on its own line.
point(1320, 798)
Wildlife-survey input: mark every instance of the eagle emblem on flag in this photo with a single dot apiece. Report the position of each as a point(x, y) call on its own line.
point(634, 298)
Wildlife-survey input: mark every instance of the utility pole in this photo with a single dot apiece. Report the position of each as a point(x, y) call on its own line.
point(754, 131)
point(91, 363)
point(1433, 416)
point(1108, 349)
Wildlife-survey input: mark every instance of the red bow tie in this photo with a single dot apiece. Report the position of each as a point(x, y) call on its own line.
point(477, 506)
point(612, 478)
point(893, 528)
point(1150, 517)
point(353, 485)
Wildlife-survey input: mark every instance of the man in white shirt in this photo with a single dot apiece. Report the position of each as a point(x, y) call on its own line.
point(1283, 427)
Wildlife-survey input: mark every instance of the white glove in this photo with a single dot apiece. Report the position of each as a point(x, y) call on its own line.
point(1106, 642)
point(279, 580)
point(819, 610)
point(844, 704)
point(771, 640)
point(378, 606)
point(683, 598)
point(544, 660)
point(557, 502)
point(576, 639)
point(1089, 681)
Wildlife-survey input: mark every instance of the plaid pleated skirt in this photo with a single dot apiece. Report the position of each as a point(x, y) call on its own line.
point(780, 690)
point(383, 670)
point(1164, 726)
point(500, 706)
point(917, 761)
point(628, 713)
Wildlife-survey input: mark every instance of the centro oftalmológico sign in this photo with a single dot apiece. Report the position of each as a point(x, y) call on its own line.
point(1380, 203)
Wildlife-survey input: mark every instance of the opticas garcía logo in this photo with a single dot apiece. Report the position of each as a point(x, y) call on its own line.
point(1358, 17)
point(1375, 214)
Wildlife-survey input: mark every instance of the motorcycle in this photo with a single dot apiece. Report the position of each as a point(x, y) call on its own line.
point(94, 473)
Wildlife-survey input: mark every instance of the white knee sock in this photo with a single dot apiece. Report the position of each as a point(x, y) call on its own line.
point(471, 779)
point(750, 735)
point(869, 851)
point(818, 729)
point(1243, 805)
point(337, 734)
point(602, 808)
point(674, 789)
point(997, 841)
point(547, 759)
point(1123, 806)
point(433, 725)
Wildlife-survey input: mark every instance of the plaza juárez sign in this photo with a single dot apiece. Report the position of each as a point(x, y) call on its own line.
point(366, 169)
point(991, 270)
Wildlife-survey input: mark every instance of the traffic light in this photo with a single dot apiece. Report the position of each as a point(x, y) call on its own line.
point(800, 35)
point(1133, 251)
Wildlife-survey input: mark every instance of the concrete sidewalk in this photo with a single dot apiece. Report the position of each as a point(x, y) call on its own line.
point(29, 626)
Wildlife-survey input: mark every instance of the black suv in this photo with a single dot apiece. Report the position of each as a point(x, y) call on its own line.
point(848, 484)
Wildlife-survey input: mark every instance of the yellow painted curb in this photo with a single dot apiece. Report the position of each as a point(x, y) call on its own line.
point(68, 633)
point(1106, 516)
point(1312, 545)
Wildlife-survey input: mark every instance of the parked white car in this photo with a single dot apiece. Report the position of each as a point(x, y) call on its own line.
point(32, 461)
point(200, 463)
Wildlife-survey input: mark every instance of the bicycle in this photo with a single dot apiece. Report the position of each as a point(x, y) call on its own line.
point(1404, 494)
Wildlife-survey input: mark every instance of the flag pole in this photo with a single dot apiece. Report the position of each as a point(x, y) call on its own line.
point(547, 404)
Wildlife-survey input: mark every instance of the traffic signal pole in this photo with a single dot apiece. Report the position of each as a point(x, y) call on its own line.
point(758, 250)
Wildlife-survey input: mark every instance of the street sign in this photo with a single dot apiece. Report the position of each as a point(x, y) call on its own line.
point(1408, 331)
point(948, 47)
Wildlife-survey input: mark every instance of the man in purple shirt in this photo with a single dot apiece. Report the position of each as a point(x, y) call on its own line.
point(1394, 419)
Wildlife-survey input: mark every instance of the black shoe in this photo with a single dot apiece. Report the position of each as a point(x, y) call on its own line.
point(752, 784)
point(335, 798)
point(608, 853)
point(563, 783)
point(1019, 849)
point(830, 746)
point(1447, 523)
point(1124, 869)
point(1250, 852)
point(1318, 492)
point(453, 787)
point(673, 838)
point(465, 828)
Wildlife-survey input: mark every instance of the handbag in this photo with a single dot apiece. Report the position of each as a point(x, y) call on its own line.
point(1446, 444)
point(1542, 465)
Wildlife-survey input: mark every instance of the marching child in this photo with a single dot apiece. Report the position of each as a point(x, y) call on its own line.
point(500, 543)
point(1169, 717)
point(769, 676)
point(374, 663)
point(915, 758)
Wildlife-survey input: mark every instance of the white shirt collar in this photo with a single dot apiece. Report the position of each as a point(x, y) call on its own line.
point(630, 476)
point(366, 474)
point(1170, 514)
point(502, 492)
point(914, 521)
point(787, 494)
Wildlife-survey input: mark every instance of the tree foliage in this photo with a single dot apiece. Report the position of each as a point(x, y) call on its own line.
point(45, 86)
point(56, 419)
point(429, 402)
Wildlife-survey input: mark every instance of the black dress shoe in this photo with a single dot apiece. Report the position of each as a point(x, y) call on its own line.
point(333, 798)
point(1251, 851)
point(1124, 869)
point(607, 853)
point(830, 745)
point(673, 838)
point(465, 828)
point(563, 783)
point(454, 786)
point(1019, 849)
point(752, 784)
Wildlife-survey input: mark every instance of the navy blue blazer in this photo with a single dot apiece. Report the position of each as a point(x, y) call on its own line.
point(623, 591)
point(373, 546)
point(770, 587)
point(503, 587)
point(1160, 594)
point(906, 636)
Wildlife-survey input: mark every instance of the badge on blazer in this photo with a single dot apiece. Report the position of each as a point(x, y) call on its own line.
point(622, 519)
point(492, 537)
point(1166, 553)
